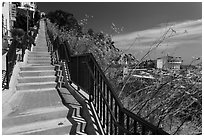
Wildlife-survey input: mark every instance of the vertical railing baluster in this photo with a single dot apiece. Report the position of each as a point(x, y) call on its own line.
point(101, 99)
point(104, 112)
point(121, 121)
point(95, 88)
point(111, 119)
point(135, 126)
point(128, 122)
point(143, 130)
point(107, 114)
point(115, 127)
point(98, 93)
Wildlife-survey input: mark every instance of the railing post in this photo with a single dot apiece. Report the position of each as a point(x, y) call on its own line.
point(121, 121)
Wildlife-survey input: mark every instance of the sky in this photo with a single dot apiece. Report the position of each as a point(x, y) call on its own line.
point(140, 24)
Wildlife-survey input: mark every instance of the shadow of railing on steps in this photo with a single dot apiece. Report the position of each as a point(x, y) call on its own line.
point(87, 74)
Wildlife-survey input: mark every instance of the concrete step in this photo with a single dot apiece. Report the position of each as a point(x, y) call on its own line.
point(50, 127)
point(39, 52)
point(37, 90)
point(39, 64)
point(39, 61)
point(26, 100)
point(37, 79)
point(35, 115)
point(30, 68)
point(37, 73)
point(39, 58)
point(36, 85)
point(39, 55)
point(40, 48)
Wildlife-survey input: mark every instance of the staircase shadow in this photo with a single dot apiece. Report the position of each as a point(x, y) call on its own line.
point(93, 119)
point(92, 127)
point(71, 112)
point(69, 117)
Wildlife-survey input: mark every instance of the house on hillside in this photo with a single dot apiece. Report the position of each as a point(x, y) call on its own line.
point(169, 62)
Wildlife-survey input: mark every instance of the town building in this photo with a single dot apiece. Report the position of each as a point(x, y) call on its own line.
point(9, 10)
point(32, 5)
point(169, 62)
point(8, 18)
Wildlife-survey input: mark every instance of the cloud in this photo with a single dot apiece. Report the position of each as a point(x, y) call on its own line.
point(183, 33)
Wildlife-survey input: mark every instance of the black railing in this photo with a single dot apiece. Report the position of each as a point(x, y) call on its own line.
point(114, 118)
point(87, 74)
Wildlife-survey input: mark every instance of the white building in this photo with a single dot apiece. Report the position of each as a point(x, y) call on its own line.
point(31, 4)
point(169, 62)
point(8, 17)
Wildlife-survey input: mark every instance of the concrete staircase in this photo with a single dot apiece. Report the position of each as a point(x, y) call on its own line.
point(38, 108)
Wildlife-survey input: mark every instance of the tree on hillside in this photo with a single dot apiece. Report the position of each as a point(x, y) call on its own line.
point(66, 19)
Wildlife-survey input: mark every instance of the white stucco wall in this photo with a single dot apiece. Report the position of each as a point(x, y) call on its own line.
point(159, 63)
point(6, 17)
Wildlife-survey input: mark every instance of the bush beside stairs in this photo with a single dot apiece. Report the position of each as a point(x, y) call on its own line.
point(36, 107)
